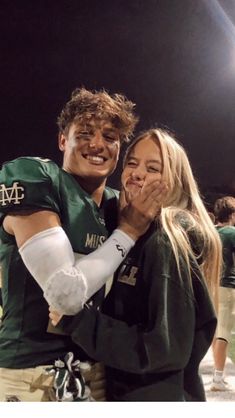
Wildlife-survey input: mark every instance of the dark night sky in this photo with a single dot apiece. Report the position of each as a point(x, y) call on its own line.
point(174, 58)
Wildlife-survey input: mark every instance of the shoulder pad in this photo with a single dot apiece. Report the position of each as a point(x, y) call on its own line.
point(29, 183)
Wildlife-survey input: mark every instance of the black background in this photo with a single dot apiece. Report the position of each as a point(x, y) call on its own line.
point(174, 58)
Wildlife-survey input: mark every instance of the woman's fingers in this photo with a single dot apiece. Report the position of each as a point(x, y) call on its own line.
point(152, 195)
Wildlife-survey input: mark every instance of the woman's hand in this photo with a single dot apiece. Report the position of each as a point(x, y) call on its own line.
point(137, 213)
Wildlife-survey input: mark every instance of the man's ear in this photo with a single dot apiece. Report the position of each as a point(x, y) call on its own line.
point(61, 141)
point(233, 218)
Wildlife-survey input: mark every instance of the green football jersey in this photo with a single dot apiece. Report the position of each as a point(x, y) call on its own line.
point(227, 236)
point(29, 183)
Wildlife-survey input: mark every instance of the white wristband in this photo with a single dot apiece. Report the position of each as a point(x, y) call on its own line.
point(99, 265)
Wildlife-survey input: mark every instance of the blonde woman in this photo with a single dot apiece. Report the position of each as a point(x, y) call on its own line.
point(158, 320)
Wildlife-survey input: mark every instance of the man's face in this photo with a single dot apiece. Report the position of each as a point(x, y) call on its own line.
point(91, 150)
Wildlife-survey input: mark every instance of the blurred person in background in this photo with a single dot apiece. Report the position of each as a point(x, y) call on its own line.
point(224, 210)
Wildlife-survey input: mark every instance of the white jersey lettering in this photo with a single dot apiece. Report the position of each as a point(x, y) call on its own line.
point(128, 279)
point(94, 241)
point(13, 194)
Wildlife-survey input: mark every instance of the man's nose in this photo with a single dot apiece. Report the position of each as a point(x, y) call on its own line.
point(97, 141)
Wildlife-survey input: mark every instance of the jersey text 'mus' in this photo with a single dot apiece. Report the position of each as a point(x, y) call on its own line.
point(94, 240)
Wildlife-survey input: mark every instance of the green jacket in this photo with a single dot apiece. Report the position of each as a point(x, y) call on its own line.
point(154, 330)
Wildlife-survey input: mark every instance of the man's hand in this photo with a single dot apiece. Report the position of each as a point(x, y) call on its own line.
point(137, 214)
point(54, 316)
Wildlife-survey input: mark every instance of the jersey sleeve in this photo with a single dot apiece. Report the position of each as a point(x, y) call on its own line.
point(233, 238)
point(163, 343)
point(29, 183)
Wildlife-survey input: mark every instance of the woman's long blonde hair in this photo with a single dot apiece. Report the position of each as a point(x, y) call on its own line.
point(183, 201)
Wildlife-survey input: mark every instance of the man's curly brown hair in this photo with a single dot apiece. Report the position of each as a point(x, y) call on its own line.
point(224, 207)
point(85, 105)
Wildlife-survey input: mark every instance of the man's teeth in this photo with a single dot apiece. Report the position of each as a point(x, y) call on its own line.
point(95, 158)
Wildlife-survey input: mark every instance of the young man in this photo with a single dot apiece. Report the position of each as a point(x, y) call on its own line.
point(49, 218)
point(224, 210)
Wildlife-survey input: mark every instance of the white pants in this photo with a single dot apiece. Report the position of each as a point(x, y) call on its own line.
point(225, 313)
point(35, 385)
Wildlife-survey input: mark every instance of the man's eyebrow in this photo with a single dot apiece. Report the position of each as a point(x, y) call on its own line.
point(109, 129)
point(82, 128)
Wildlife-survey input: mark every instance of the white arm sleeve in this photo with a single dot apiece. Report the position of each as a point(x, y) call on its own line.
point(68, 284)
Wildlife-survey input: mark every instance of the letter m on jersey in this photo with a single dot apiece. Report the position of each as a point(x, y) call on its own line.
point(13, 194)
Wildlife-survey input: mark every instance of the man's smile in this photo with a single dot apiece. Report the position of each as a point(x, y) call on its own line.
point(95, 159)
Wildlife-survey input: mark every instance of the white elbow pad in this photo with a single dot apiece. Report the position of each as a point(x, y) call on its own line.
point(49, 258)
point(66, 290)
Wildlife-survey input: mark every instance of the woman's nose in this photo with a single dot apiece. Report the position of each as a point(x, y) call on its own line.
point(138, 174)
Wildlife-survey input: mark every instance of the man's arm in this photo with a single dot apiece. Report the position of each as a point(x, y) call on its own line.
point(24, 226)
point(48, 255)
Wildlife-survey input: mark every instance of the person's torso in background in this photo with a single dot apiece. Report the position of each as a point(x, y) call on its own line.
point(227, 235)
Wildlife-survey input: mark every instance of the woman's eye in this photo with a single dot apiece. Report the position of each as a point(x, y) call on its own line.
point(131, 164)
point(153, 170)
